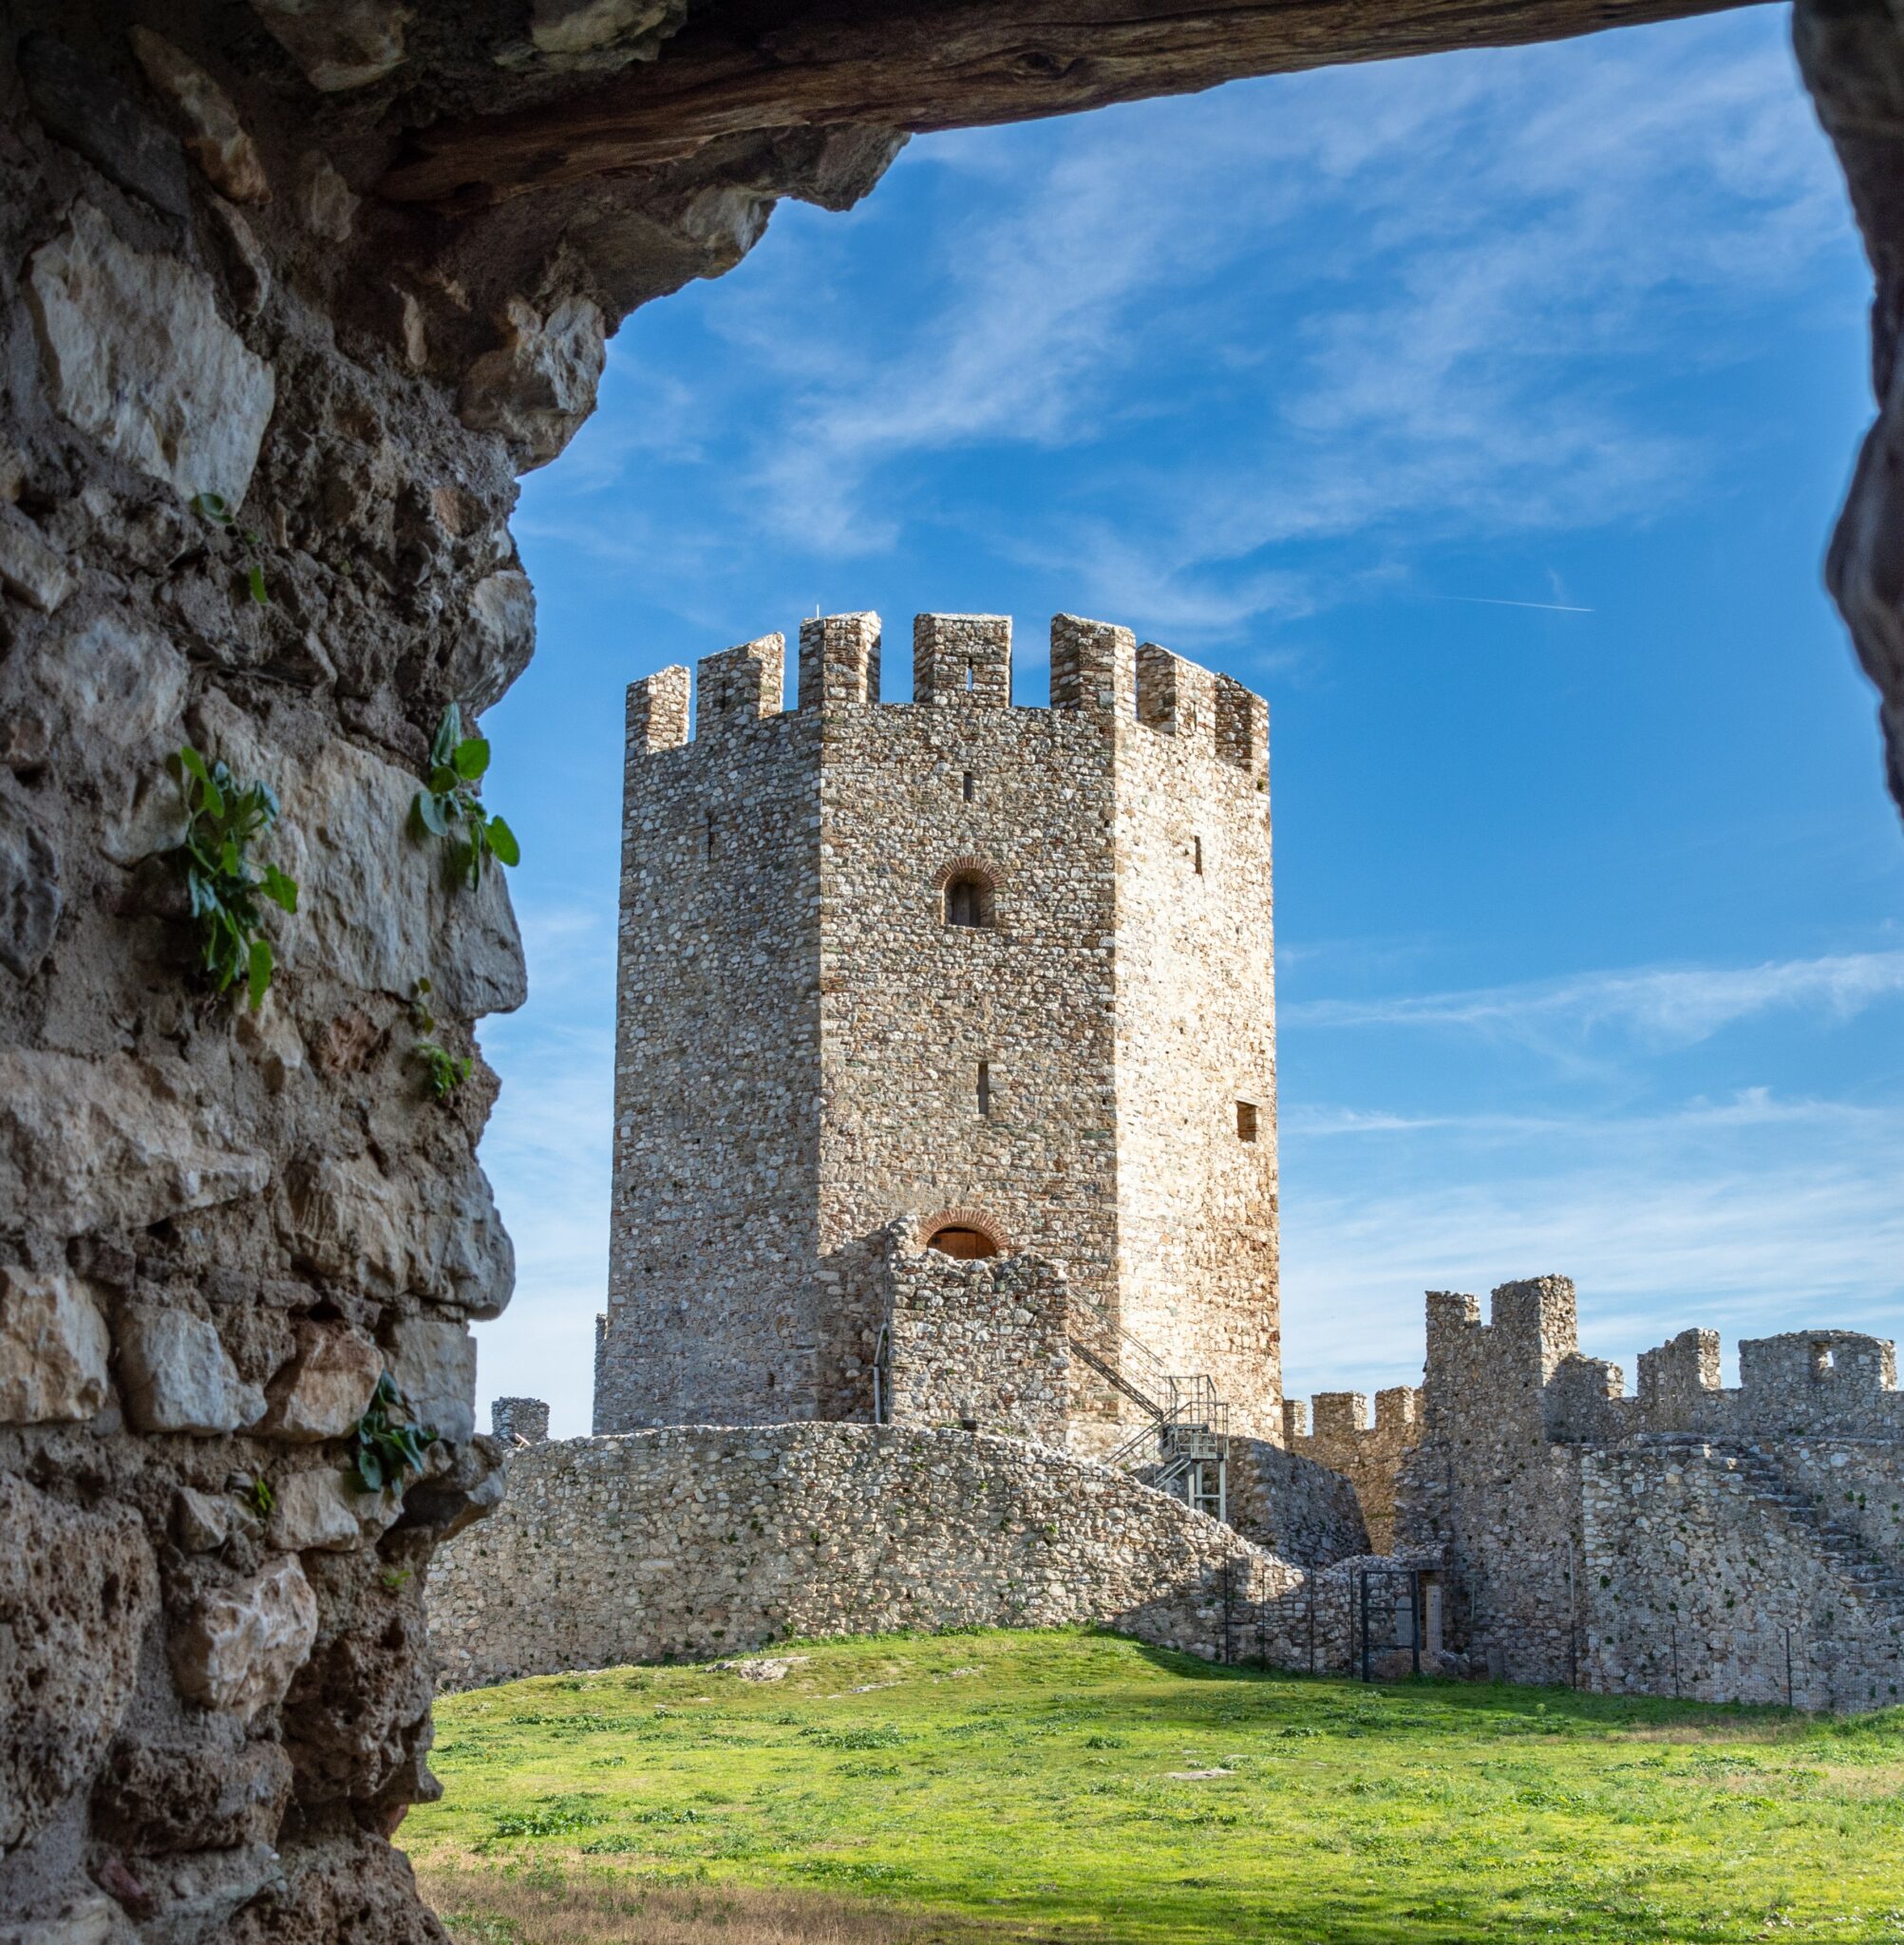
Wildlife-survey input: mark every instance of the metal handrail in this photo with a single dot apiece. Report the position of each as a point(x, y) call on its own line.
point(1188, 1424)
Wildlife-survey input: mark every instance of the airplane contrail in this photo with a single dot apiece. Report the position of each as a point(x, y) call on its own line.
point(1492, 602)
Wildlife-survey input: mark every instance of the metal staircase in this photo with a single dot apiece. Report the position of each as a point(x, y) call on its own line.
point(1183, 1446)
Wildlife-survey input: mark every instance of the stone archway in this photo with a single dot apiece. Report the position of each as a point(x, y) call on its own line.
point(352, 269)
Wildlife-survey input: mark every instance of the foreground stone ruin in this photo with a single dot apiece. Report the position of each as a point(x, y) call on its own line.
point(292, 294)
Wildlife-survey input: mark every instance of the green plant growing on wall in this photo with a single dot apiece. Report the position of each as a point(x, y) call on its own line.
point(443, 1071)
point(390, 1441)
point(218, 509)
point(222, 823)
point(450, 807)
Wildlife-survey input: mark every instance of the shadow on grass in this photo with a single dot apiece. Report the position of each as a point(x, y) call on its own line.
point(1439, 1700)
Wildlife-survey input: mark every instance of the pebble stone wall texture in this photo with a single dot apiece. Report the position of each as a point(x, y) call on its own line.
point(696, 1542)
point(1724, 1544)
point(807, 1050)
point(985, 1345)
point(1368, 1455)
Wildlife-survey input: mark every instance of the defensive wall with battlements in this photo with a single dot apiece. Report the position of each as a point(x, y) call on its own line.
point(1003, 972)
point(1730, 1544)
point(1367, 1454)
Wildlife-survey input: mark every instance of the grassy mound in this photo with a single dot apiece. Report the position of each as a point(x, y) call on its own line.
point(1070, 1785)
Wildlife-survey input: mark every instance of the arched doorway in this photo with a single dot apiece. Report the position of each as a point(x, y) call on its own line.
point(956, 1241)
point(964, 1232)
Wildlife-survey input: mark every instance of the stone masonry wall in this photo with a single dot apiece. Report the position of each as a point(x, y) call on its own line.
point(219, 1225)
point(1369, 1456)
point(807, 1050)
point(696, 1542)
point(1731, 1544)
point(983, 1344)
point(713, 1307)
point(1195, 1023)
point(305, 258)
point(1697, 1580)
point(912, 1005)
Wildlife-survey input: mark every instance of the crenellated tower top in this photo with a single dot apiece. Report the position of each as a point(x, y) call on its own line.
point(959, 661)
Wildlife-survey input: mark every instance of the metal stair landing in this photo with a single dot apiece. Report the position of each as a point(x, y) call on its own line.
point(1183, 1446)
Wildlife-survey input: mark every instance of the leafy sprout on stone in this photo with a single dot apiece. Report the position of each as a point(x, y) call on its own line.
point(390, 1443)
point(449, 807)
point(223, 819)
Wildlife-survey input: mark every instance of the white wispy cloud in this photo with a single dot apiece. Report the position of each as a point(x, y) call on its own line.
point(1422, 286)
point(1664, 1006)
point(1751, 1216)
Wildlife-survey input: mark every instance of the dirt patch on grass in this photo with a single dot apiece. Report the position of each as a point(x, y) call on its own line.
point(551, 1906)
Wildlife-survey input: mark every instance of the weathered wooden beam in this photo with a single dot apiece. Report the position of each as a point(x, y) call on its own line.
point(922, 65)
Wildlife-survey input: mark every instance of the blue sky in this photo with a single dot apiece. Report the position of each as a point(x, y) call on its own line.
point(1488, 413)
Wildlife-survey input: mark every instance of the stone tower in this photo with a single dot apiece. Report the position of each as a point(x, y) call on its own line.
point(1004, 975)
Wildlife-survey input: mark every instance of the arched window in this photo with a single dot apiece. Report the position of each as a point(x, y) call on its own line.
point(968, 900)
point(952, 1241)
point(967, 889)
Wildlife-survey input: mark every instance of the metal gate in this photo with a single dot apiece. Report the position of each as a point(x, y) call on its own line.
point(1386, 1616)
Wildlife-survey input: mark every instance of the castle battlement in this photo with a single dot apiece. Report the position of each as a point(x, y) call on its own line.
point(1524, 1366)
point(959, 662)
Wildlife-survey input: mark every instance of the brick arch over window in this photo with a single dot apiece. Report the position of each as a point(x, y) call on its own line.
point(988, 875)
point(957, 1225)
point(967, 889)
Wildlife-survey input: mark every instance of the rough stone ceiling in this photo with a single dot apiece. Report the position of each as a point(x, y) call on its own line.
point(913, 65)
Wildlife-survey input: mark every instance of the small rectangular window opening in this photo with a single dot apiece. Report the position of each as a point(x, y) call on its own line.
point(1197, 853)
point(968, 790)
point(985, 1087)
point(709, 837)
point(1246, 1120)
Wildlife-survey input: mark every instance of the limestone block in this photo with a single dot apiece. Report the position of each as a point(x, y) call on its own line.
point(322, 1392)
point(242, 255)
point(321, 1510)
point(243, 1643)
point(215, 138)
point(189, 1897)
point(339, 43)
point(407, 1235)
point(325, 202)
point(31, 569)
point(190, 1793)
point(540, 385)
point(77, 1590)
point(200, 1521)
point(30, 891)
point(91, 1917)
point(89, 111)
point(113, 680)
point(434, 1365)
point(137, 355)
point(53, 1349)
point(495, 649)
point(382, 928)
point(580, 27)
point(110, 1145)
point(271, 1037)
point(178, 1377)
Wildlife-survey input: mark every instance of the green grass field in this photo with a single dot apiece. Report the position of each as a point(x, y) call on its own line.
point(1070, 1785)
